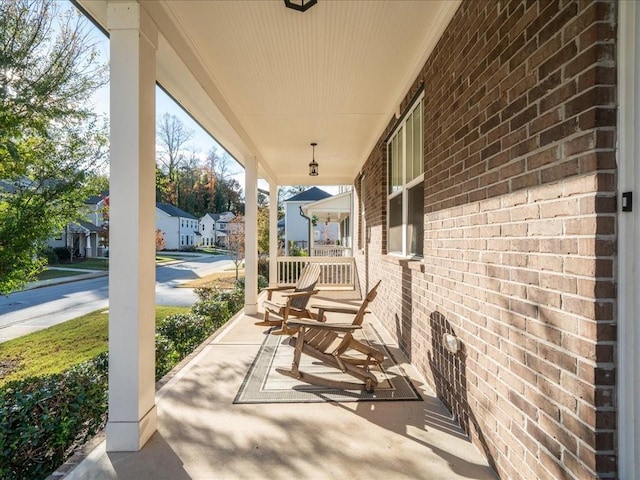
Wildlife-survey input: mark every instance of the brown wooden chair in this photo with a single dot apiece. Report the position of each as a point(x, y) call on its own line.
point(293, 301)
point(334, 345)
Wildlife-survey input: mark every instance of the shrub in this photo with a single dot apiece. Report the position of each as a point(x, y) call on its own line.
point(51, 255)
point(234, 299)
point(184, 331)
point(43, 419)
point(62, 253)
point(262, 283)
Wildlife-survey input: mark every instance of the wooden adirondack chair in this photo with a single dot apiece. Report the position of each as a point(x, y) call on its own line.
point(334, 345)
point(293, 304)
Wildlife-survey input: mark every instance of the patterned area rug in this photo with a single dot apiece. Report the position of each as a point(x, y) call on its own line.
point(263, 384)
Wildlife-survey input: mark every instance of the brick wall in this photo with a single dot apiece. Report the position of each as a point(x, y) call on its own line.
point(519, 136)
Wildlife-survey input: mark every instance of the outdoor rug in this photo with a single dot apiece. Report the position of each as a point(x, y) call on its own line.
point(263, 384)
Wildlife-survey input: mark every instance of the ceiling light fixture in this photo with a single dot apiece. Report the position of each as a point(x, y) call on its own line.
point(300, 5)
point(313, 166)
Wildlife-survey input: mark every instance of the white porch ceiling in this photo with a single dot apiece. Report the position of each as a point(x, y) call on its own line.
point(266, 81)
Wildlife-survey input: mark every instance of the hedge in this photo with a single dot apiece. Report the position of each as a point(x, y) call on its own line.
point(44, 419)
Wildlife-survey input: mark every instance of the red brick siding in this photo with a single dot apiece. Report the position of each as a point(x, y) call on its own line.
point(519, 136)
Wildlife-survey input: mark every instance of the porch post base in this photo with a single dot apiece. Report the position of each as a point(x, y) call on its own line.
point(131, 436)
point(250, 308)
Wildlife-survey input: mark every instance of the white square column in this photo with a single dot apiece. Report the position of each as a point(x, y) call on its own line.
point(132, 410)
point(251, 236)
point(273, 234)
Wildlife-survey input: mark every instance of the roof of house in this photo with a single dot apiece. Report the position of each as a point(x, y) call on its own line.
point(213, 216)
point(174, 211)
point(95, 199)
point(312, 195)
point(88, 225)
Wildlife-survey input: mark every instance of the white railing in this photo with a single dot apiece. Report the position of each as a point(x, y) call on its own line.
point(330, 251)
point(334, 271)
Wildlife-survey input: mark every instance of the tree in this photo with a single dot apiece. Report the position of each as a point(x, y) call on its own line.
point(172, 137)
point(236, 240)
point(160, 242)
point(51, 143)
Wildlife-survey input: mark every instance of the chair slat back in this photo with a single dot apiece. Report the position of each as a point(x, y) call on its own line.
point(306, 282)
point(371, 295)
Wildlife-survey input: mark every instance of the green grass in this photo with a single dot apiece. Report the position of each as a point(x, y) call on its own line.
point(49, 274)
point(57, 348)
point(164, 259)
point(89, 264)
point(211, 251)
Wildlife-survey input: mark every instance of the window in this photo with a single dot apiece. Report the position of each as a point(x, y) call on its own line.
point(405, 193)
point(363, 236)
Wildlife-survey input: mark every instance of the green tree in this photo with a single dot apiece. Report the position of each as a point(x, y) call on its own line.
point(51, 144)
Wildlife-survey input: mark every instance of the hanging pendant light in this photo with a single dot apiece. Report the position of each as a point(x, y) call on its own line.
point(313, 166)
point(300, 5)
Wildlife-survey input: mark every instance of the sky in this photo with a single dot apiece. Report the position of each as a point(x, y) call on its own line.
point(201, 142)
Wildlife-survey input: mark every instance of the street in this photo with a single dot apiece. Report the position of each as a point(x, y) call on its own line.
point(35, 309)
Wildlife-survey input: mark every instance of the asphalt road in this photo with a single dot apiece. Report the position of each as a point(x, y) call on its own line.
point(30, 310)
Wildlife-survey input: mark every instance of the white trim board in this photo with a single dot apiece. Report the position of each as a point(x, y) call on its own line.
point(628, 157)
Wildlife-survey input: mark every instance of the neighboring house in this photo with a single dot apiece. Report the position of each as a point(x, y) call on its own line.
point(214, 228)
point(332, 235)
point(297, 228)
point(86, 236)
point(180, 229)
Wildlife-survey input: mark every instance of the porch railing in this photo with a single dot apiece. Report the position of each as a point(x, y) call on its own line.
point(330, 251)
point(334, 271)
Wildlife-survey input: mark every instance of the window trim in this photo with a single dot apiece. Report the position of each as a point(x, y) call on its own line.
point(406, 186)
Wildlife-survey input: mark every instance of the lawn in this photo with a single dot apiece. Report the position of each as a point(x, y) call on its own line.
point(89, 264)
point(223, 280)
point(49, 274)
point(57, 348)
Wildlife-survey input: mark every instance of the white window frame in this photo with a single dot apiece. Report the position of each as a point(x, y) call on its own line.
point(363, 221)
point(405, 186)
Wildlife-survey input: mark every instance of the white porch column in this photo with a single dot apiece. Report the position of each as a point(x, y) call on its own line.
point(251, 236)
point(132, 410)
point(273, 234)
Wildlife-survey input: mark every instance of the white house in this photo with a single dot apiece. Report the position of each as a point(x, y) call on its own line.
point(298, 228)
point(86, 236)
point(181, 229)
point(332, 235)
point(214, 228)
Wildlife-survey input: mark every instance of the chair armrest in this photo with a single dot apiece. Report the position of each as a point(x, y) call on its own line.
point(336, 327)
point(300, 294)
point(275, 306)
point(275, 289)
point(334, 309)
point(270, 290)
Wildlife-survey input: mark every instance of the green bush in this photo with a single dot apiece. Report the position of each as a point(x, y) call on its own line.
point(262, 283)
point(43, 419)
point(219, 305)
point(62, 253)
point(51, 255)
point(185, 331)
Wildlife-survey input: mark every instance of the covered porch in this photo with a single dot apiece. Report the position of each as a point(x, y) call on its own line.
point(203, 435)
point(487, 143)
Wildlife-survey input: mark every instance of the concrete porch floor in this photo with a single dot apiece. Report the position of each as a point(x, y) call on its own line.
point(203, 435)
